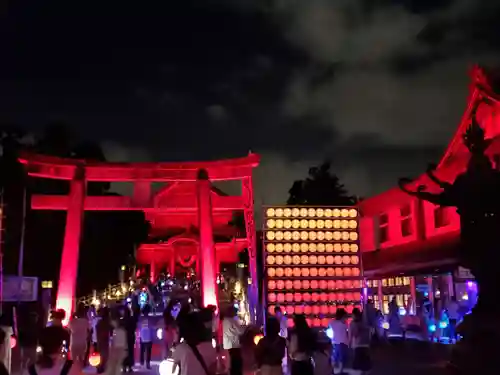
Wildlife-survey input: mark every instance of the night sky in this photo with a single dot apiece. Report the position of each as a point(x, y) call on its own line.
point(378, 86)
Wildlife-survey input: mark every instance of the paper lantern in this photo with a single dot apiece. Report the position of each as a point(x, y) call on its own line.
point(298, 309)
point(13, 342)
point(317, 243)
point(271, 297)
point(270, 309)
point(167, 367)
point(271, 272)
point(95, 359)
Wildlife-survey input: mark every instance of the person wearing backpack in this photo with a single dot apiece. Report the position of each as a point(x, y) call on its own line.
point(194, 355)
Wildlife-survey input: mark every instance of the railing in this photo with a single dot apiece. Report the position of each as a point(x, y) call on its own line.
point(111, 294)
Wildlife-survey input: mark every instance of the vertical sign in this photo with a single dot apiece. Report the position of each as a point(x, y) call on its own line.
point(312, 261)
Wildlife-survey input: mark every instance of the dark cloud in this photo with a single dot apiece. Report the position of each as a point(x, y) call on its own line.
point(377, 86)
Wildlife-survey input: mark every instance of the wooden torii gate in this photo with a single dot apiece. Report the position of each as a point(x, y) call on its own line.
point(79, 172)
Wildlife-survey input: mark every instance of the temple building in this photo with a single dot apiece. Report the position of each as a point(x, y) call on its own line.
point(409, 245)
point(173, 245)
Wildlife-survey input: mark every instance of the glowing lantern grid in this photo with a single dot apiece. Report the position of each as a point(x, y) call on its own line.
point(312, 261)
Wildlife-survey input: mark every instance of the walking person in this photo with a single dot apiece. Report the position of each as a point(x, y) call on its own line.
point(79, 328)
point(146, 338)
point(301, 346)
point(340, 340)
point(130, 325)
point(118, 349)
point(104, 329)
point(194, 355)
point(271, 350)
point(170, 330)
point(231, 332)
point(51, 361)
point(453, 312)
point(359, 341)
point(3, 368)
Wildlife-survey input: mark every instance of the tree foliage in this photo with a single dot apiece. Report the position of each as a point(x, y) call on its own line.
point(108, 238)
point(320, 188)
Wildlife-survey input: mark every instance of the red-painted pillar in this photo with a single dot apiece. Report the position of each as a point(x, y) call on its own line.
point(69, 263)
point(253, 296)
point(207, 249)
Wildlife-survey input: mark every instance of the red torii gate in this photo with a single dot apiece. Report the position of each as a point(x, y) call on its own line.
point(79, 172)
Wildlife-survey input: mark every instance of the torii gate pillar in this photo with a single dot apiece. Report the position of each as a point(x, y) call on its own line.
point(66, 290)
point(206, 255)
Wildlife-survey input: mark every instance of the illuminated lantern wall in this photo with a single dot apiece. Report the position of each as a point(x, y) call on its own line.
point(312, 261)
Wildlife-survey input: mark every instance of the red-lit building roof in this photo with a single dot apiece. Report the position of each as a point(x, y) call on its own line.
point(401, 234)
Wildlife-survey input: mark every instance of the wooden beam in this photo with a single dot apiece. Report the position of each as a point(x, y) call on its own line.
point(118, 203)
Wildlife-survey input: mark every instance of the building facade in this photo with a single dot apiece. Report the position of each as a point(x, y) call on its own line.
point(408, 243)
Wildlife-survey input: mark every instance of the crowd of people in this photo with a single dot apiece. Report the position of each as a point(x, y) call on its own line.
point(310, 352)
point(197, 342)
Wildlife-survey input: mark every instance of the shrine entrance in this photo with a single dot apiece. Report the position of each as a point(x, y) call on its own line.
point(201, 203)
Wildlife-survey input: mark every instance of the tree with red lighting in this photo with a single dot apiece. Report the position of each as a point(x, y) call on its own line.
point(476, 195)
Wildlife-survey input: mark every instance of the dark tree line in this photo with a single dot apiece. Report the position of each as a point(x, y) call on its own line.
point(320, 188)
point(108, 238)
